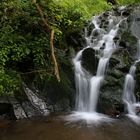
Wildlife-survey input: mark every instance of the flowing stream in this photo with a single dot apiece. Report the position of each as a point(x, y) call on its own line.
point(128, 96)
point(129, 99)
point(87, 85)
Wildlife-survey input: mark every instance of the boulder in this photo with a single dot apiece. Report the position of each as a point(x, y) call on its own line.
point(89, 60)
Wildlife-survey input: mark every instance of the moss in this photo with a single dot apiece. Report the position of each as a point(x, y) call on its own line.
point(128, 37)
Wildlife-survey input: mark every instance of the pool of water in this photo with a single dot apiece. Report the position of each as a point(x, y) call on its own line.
point(55, 128)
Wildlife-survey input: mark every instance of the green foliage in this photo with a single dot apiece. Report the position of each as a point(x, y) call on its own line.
point(85, 7)
point(9, 82)
point(21, 39)
point(68, 15)
point(24, 41)
point(124, 2)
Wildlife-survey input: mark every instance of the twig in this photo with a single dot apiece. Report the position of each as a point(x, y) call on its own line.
point(35, 71)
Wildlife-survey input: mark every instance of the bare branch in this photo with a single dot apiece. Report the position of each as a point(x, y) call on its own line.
point(51, 31)
point(53, 56)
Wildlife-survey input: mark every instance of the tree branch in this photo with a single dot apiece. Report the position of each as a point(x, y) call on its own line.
point(51, 31)
point(53, 56)
point(35, 71)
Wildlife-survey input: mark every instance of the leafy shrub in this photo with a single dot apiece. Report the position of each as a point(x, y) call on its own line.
point(24, 41)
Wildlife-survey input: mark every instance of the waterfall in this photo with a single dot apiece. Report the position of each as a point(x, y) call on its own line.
point(87, 85)
point(91, 84)
point(129, 98)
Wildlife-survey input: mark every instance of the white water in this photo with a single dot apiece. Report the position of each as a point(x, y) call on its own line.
point(88, 86)
point(129, 86)
point(129, 98)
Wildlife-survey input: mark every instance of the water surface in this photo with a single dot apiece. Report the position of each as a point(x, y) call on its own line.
point(54, 128)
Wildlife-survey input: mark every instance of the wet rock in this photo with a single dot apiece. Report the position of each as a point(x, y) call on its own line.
point(89, 60)
point(103, 47)
point(121, 60)
point(51, 108)
point(105, 14)
point(116, 39)
point(123, 44)
point(137, 78)
point(30, 110)
point(75, 39)
point(89, 29)
point(113, 108)
point(6, 110)
point(10, 108)
point(117, 74)
point(112, 88)
point(36, 101)
point(18, 110)
point(129, 42)
point(62, 105)
point(113, 2)
point(59, 96)
point(126, 13)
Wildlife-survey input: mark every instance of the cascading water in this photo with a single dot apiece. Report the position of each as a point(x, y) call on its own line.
point(129, 86)
point(129, 98)
point(88, 86)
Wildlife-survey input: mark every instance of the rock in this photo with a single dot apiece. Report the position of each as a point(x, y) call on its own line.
point(89, 29)
point(112, 88)
point(51, 108)
point(36, 101)
point(30, 110)
point(109, 99)
point(137, 78)
point(89, 60)
point(6, 110)
point(62, 105)
point(10, 108)
point(59, 96)
point(75, 39)
point(18, 110)
point(113, 2)
point(126, 13)
point(129, 42)
point(123, 44)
